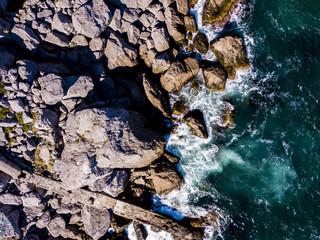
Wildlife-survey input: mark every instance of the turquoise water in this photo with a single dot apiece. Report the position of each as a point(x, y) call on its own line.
point(262, 176)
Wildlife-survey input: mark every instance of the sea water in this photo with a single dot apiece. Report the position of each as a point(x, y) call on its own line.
point(262, 176)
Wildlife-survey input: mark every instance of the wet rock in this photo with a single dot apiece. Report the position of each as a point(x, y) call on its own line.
point(112, 184)
point(175, 24)
point(9, 222)
point(58, 39)
point(231, 53)
point(96, 221)
point(156, 95)
point(62, 23)
point(217, 13)
point(91, 19)
point(179, 73)
point(10, 199)
point(25, 37)
point(46, 120)
point(161, 39)
point(195, 121)
point(160, 63)
point(119, 53)
point(190, 23)
point(51, 88)
point(228, 118)
point(215, 77)
point(178, 108)
point(27, 70)
point(200, 42)
point(78, 86)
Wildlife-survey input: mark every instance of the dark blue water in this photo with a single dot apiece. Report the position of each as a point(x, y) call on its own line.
point(264, 173)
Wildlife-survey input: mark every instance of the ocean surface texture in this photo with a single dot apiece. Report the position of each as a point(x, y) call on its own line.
point(262, 176)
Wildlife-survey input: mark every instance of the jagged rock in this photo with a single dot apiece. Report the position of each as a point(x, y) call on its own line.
point(119, 53)
point(171, 157)
point(112, 184)
point(148, 19)
point(175, 24)
point(190, 23)
point(157, 11)
point(183, 6)
point(215, 77)
point(156, 95)
point(217, 13)
point(46, 120)
point(27, 70)
point(166, 3)
point(44, 220)
point(64, 4)
point(79, 41)
point(165, 177)
point(4, 179)
point(229, 115)
point(200, 42)
point(16, 105)
point(25, 37)
point(97, 45)
point(9, 222)
point(31, 199)
point(58, 39)
point(179, 73)
point(56, 225)
point(91, 19)
point(131, 14)
point(78, 86)
point(115, 23)
point(142, 4)
point(178, 108)
point(160, 63)
point(96, 221)
point(51, 88)
point(140, 231)
point(62, 23)
point(195, 121)
point(231, 53)
point(75, 219)
point(133, 34)
point(161, 39)
point(10, 199)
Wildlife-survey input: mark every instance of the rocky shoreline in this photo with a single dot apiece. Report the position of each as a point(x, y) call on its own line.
point(84, 106)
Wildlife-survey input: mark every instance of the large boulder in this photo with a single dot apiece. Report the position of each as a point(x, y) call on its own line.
point(156, 95)
point(200, 42)
point(51, 88)
point(119, 53)
point(231, 53)
point(161, 39)
point(215, 77)
point(218, 12)
point(175, 24)
point(92, 18)
point(25, 37)
point(179, 73)
point(195, 121)
point(96, 221)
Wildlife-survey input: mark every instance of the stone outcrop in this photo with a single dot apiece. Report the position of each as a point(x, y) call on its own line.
point(25, 37)
point(179, 73)
point(215, 77)
point(195, 121)
point(175, 24)
point(231, 53)
point(200, 42)
point(190, 23)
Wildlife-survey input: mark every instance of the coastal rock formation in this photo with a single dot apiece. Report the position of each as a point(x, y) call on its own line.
point(179, 73)
point(215, 77)
point(190, 23)
point(231, 53)
point(195, 121)
point(175, 24)
point(217, 13)
point(200, 42)
point(178, 108)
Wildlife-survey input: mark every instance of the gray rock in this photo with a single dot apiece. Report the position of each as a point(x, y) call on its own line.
point(3, 142)
point(96, 221)
point(195, 121)
point(9, 223)
point(64, 4)
point(78, 86)
point(115, 23)
point(16, 105)
point(157, 10)
point(8, 123)
point(27, 70)
point(56, 225)
point(160, 63)
point(175, 24)
point(44, 220)
point(62, 23)
point(58, 39)
point(156, 95)
point(142, 4)
point(4, 179)
point(46, 120)
point(10, 199)
point(31, 199)
point(97, 46)
point(44, 13)
point(25, 37)
point(112, 184)
point(44, 28)
point(131, 14)
point(179, 73)
point(79, 41)
point(51, 88)
point(161, 39)
point(119, 53)
point(133, 34)
point(91, 19)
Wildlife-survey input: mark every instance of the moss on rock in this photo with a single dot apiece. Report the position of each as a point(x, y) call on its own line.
point(200, 42)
